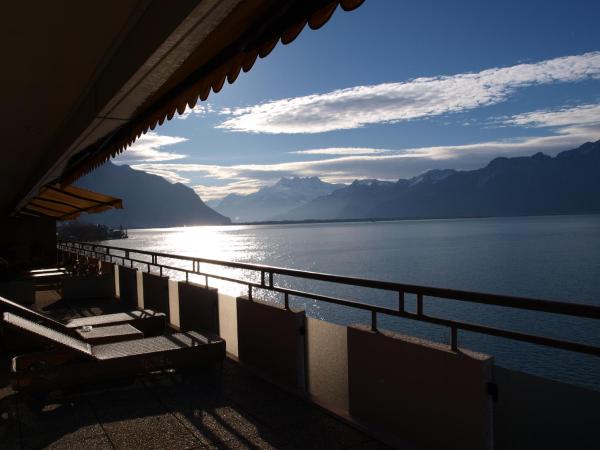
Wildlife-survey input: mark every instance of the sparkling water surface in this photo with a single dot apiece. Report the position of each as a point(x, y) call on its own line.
point(555, 258)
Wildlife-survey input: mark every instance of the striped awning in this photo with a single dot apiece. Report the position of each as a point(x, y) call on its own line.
point(67, 203)
point(256, 40)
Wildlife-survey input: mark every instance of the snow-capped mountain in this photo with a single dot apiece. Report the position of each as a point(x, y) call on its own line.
point(568, 183)
point(272, 201)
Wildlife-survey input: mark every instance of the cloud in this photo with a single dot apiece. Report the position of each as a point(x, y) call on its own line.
point(418, 98)
point(162, 170)
point(148, 148)
point(198, 110)
point(341, 151)
point(242, 187)
point(404, 163)
point(580, 116)
point(568, 127)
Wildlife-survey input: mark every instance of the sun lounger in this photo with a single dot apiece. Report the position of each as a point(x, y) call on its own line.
point(149, 322)
point(73, 361)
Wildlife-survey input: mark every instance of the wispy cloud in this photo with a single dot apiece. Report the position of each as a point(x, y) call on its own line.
point(392, 102)
point(341, 151)
point(580, 116)
point(148, 148)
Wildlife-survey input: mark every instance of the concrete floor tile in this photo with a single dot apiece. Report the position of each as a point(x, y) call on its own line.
point(57, 417)
point(222, 424)
point(150, 432)
point(68, 442)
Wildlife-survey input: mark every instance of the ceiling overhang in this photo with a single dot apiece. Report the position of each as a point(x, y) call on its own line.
point(153, 58)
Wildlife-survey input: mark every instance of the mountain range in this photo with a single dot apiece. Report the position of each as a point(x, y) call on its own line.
point(274, 201)
point(149, 201)
point(568, 183)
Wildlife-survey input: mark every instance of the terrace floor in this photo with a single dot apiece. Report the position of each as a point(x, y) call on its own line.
point(231, 410)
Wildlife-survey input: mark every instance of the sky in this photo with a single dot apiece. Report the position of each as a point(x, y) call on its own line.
point(389, 91)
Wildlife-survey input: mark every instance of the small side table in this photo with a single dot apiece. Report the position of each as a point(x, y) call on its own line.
point(109, 334)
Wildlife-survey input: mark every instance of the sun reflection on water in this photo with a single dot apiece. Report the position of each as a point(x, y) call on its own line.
point(231, 243)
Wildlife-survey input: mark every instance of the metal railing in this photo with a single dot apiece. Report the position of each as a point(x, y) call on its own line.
point(267, 282)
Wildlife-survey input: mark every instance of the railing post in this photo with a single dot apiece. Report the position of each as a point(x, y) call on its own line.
point(250, 292)
point(286, 300)
point(270, 279)
point(420, 304)
point(262, 278)
point(454, 339)
point(401, 301)
point(373, 320)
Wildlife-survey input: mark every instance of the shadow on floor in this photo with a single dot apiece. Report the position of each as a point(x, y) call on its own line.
point(230, 410)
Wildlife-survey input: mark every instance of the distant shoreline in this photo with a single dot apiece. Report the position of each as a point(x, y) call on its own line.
point(317, 221)
point(397, 219)
point(299, 222)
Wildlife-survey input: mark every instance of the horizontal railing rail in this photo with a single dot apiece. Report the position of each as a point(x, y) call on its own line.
point(267, 282)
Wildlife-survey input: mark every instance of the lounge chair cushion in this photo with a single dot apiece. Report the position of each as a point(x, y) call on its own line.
point(47, 335)
point(56, 369)
point(154, 345)
point(7, 305)
point(150, 322)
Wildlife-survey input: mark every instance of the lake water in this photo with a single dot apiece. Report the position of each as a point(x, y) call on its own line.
point(556, 258)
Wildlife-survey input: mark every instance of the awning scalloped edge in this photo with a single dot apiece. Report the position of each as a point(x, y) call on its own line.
point(199, 89)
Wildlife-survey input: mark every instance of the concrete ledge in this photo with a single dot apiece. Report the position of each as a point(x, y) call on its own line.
point(82, 288)
point(198, 308)
point(156, 293)
point(535, 413)
point(128, 286)
point(419, 391)
point(107, 268)
point(271, 341)
point(93, 262)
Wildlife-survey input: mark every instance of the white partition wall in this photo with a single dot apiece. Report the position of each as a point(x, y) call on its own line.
point(139, 277)
point(117, 288)
point(228, 323)
point(174, 317)
point(327, 364)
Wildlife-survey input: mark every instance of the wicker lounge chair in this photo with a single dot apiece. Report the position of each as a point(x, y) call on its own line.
point(75, 362)
point(149, 322)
